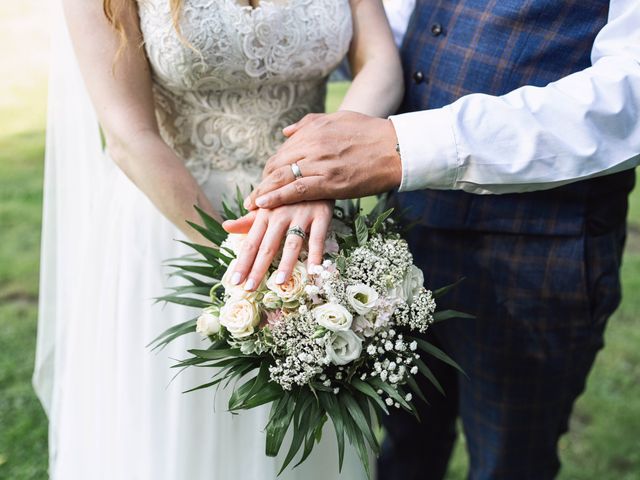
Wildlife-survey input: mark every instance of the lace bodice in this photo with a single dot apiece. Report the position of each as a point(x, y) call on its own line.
point(239, 74)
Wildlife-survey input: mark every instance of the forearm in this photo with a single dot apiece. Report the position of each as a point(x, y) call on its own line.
point(155, 169)
point(119, 82)
point(376, 90)
point(377, 86)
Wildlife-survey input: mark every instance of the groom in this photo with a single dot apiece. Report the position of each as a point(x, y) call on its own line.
point(516, 166)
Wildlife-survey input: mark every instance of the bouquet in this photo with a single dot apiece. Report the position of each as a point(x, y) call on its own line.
point(342, 341)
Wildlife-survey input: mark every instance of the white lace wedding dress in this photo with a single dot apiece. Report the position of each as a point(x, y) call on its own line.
point(223, 94)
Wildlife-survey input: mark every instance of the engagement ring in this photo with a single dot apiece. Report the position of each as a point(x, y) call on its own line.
point(296, 230)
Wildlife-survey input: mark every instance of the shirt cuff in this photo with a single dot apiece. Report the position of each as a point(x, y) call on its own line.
point(427, 149)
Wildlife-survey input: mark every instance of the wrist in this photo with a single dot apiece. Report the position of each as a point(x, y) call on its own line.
point(394, 160)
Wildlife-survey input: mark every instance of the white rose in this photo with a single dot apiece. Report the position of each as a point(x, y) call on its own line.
point(234, 242)
point(240, 317)
point(271, 300)
point(208, 322)
point(237, 291)
point(410, 287)
point(293, 288)
point(362, 298)
point(344, 347)
point(333, 316)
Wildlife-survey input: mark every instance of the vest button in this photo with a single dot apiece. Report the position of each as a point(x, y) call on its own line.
point(436, 29)
point(418, 77)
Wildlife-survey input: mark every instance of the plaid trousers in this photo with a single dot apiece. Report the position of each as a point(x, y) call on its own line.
point(541, 304)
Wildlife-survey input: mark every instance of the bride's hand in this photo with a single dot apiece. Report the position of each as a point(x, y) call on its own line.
point(265, 231)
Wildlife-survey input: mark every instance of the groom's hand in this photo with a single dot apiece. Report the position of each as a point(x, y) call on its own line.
point(340, 155)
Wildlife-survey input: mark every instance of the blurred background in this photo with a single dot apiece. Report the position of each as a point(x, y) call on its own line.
point(604, 442)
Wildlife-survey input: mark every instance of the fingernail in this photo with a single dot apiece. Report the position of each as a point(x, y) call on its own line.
point(235, 280)
point(261, 201)
point(247, 202)
point(249, 285)
point(280, 278)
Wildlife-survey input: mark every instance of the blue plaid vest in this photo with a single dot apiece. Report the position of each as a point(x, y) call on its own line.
point(456, 47)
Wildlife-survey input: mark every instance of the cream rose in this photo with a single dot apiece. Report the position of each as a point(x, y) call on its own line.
point(361, 298)
point(293, 288)
point(240, 317)
point(333, 316)
point(208, 322)
point(344, 347)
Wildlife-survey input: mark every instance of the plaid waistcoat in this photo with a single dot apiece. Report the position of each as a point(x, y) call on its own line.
point(456, 47)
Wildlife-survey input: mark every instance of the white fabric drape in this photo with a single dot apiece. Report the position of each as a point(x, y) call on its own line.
point(72, 167)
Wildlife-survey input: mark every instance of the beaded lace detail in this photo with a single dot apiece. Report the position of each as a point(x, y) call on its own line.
point(239, 74)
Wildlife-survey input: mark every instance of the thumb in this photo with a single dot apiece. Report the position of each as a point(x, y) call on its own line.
point(241, 225)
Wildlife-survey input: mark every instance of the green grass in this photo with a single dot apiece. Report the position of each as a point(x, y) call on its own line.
point(23, 432)
point(604, 442)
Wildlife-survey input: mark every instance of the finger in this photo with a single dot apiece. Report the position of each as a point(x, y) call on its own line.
point(304, 189)
point(293, 128)
point(268, 249)
point(289, 153)
point(292, 150)
point(290, 253)
point(249, 202)
point(249, 250)
point(317, 237)
point(240, 225)
point(278, 178)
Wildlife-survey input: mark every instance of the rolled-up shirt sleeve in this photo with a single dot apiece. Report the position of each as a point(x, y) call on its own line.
point(534, 138)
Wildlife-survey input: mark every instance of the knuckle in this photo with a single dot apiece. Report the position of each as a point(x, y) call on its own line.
point(249, 246)
point(291, 243)
point(301, 188)
point(277, 175)
point(267, 251)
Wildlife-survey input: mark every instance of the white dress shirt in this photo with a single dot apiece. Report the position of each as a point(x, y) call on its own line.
point(533, 138)
point(398, 13)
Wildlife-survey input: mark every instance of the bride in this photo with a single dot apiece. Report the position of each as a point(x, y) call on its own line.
point(191, 97)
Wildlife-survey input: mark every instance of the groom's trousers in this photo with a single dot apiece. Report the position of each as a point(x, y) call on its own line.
point(541, 304)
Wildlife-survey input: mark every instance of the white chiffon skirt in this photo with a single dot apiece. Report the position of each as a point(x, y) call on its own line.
point(117, 411)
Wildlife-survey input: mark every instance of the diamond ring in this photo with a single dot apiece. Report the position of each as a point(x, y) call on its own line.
point(297, 230)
